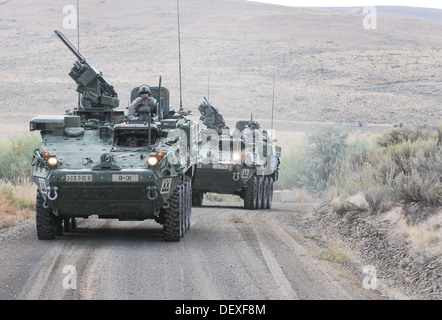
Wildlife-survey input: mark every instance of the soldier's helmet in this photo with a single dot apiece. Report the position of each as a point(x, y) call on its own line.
point(144, 89)
point(255, 125)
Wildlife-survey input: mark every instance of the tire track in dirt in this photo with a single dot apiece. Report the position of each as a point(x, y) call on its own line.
point(274, 267)
point(291, 260)
point(228, 253)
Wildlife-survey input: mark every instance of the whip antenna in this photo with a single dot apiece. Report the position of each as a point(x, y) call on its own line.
point(179, 53)
point(78, 25)
point(273, 95)
point(208, 83)
point(78, 42)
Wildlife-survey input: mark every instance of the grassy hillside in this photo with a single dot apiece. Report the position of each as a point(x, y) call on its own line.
point(327, 67)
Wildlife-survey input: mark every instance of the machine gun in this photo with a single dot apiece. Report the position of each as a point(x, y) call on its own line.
point(211, 117)
point(96, 92)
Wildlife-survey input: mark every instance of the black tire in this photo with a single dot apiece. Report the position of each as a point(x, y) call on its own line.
point(265, 193)
point(259, 195)
point(173, 215)
point(45, 220)
point(67, 225)
point(73, 223)
point(251, 193)
point(189, 203)
point(185, 207)
point(197, 199)
point(59, 226)
point(270, 198)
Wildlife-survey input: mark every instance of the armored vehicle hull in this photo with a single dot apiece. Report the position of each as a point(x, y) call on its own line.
point(82, 172)
point(94, 161)
point(252, 183)
point(244, 162)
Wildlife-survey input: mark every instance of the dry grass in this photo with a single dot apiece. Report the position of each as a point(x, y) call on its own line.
point(425, 237)
point(16, 202)
point(304, 196)
point(10, 214)
point(333, 253)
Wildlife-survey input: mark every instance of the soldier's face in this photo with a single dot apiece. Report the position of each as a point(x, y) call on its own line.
point(144, 95)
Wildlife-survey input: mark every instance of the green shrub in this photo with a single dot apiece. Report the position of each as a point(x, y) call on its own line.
point(407, 169)
point(400, 135)
point(358, 153)
point(16, 155)
point(353, 166)
point(293, 164)
point(378, 197)
point(324, 156)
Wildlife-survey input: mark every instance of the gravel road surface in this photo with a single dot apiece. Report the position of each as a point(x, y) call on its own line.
point(229, 253)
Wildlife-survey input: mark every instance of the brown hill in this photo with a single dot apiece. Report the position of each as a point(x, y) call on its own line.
point(327, 67)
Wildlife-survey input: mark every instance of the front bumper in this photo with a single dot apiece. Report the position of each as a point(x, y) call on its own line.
point(221, 178)
point(122, 194)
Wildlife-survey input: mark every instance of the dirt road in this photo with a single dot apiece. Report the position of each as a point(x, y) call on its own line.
point(229, 253)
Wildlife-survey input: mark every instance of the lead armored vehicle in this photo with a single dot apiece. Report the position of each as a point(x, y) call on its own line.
point(243, 162)
point(93, 161)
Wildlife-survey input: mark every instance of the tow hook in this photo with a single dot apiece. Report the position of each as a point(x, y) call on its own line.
point(55, 193)
point(152, 192)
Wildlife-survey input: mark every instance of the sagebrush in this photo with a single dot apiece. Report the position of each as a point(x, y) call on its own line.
point(16, 155)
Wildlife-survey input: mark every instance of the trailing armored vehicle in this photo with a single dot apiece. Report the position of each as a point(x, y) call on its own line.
point(244, 162)
point(93, 161)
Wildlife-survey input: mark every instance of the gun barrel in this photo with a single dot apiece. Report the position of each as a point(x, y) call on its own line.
point(70, 47)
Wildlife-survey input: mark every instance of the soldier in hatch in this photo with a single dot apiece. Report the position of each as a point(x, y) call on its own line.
point(140, 108)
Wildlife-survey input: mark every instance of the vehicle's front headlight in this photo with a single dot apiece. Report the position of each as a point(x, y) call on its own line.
point(152, 161)
point(236, 156)
point(52, 161)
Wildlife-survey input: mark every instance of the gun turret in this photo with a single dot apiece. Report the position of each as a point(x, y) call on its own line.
point(90, 82)
point(211, 117)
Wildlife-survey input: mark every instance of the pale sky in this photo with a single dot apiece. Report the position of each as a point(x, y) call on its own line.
point(355, 3)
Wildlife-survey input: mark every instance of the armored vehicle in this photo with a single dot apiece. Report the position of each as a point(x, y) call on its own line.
point(244, 162)
point(93, 161)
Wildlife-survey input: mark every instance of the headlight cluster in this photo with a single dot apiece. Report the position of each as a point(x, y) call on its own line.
point(51, 160)
point(153, 160)
point(44, 159)
point(236, 156)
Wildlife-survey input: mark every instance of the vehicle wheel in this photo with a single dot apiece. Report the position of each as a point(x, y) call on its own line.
point(67, 226)
point(73, 223)
point(186, 206)
point(59, 226)
point(173, 215)
point(183, 205)
point(251, 193)
point(197, 199)
point(259, 195)
point(189, 203)
point(45, 220)
point(270, 191)
point(265, 193)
